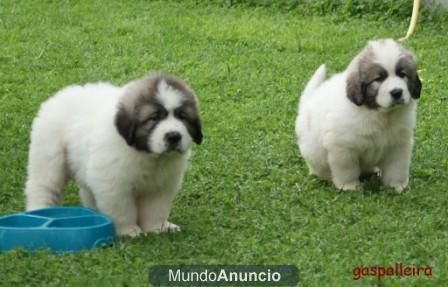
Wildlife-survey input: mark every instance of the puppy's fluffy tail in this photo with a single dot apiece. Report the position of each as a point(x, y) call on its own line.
point(315, 81)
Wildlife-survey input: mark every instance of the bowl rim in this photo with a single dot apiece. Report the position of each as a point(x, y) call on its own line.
point(48, 220)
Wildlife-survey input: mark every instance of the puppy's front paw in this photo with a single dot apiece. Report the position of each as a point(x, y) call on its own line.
point(129, 230)
point(399, 187)
point(163, 227)
point(348, 186)
point(398, 184)
point(169, 227)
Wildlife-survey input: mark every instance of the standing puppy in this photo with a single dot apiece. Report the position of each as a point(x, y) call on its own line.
point(126, 147)
point(362, 119)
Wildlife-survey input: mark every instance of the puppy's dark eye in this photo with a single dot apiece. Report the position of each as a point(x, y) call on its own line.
point(155, 116)
point(180, 114)
point(381, 77)
point(401, 73)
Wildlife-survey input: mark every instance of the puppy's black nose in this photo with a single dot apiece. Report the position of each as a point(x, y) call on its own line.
point(173, 138)
point(396, 93)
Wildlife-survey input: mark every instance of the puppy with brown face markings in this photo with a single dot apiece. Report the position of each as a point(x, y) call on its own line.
point(361, 120)
point(126, 147)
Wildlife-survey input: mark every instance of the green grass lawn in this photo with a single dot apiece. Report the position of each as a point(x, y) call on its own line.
point(247, 198)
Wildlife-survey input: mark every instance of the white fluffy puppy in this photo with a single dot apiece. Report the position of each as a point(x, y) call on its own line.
point(126, 148)
point(361, 120)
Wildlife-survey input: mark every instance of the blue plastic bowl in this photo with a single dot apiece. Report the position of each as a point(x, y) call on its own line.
point(61, 229)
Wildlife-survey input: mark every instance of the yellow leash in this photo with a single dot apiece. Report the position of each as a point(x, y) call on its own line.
point(413, 21)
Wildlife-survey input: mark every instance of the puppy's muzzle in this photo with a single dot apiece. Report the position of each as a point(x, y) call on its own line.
point(397, 96)
point(172, 140)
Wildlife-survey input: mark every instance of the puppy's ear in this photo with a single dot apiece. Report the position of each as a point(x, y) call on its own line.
point(407, 62)
point(354, 88)
point(195, 130)
point(125, 125)
point(415, 86)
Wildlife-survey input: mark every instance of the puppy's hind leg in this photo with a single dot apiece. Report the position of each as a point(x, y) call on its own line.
point(316, 162)
point(47, 173)
point(345, 170)
point(153, 212)
point(319, 171)
point(87, 198)
point(395, 166)
point(120, 206)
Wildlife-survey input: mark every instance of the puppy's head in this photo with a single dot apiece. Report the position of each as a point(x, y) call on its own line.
point(383, 76)
point(158, 114)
